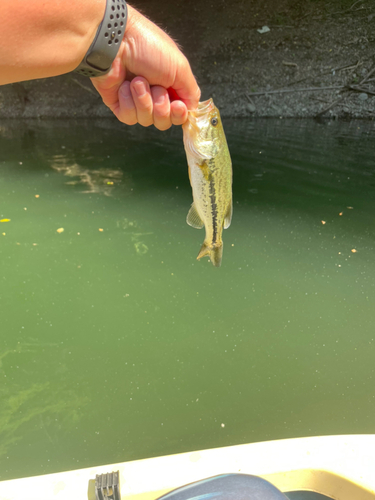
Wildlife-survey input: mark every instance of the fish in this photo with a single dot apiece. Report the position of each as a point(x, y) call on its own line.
point(5, 220)
point(210, 174)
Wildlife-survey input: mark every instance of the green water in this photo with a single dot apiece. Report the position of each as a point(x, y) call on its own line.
point(116, 344)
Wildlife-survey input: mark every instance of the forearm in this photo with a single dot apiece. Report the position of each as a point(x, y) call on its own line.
point(42, 38)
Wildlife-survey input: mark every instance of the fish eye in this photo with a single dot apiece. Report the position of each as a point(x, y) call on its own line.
point(214, 122)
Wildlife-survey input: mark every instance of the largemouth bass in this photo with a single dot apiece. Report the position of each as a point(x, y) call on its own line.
point(210, 174)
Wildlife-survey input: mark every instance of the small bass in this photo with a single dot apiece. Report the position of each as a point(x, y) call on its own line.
point(210, 174)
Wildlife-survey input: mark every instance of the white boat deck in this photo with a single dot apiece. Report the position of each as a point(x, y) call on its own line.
point(341, 467)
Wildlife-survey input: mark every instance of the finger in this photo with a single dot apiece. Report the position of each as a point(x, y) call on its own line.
point(179, 112)
point(126, 111)
point(186, 86)
point(161, 107)
point(141, 93)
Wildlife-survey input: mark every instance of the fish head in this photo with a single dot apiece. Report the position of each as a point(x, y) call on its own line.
point(203, 130)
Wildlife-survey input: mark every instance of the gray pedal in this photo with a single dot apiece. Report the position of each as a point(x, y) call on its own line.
point(107, 486)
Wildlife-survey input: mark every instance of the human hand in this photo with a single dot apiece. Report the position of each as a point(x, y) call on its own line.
point(147, 64)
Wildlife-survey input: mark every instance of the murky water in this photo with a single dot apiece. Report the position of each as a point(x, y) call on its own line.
point(116, 344)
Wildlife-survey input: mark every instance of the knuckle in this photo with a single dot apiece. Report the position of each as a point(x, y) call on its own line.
point(161, 113)
point(144, 108)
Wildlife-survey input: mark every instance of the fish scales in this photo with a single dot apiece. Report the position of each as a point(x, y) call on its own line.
point(210, 173)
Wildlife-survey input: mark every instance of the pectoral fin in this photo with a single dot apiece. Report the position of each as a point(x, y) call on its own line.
point(228, 215)
point(193, 218)
point(205, 169)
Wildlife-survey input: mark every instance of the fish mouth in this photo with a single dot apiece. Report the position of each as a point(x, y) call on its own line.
point(205, 107)
point(198, 116)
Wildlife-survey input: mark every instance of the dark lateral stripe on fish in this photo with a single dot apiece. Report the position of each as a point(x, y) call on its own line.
point(214, 211)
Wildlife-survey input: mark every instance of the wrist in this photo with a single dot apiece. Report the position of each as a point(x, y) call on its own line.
point(107, 41)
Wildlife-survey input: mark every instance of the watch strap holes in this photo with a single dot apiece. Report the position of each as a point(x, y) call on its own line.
point(104, 48)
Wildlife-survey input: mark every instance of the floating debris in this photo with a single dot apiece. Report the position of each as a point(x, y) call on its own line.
point(286, 63)
point(140, 247)
point(60, 230)
point(264, 29)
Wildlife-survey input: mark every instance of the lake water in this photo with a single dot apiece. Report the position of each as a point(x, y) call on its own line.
point(117, 344)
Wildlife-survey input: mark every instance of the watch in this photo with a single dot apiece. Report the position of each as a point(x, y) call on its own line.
point(104, 48)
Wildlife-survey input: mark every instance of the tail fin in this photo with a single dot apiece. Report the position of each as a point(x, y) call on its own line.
point(214, 253)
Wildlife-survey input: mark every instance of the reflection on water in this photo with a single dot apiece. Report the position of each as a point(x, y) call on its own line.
point(112, 332)
point(100, 181)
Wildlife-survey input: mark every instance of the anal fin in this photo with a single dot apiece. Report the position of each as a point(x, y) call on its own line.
point(228, 215)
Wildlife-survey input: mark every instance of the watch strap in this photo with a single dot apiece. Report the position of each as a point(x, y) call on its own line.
point(104, 48)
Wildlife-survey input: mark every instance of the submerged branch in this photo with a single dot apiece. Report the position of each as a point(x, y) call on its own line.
point(284, 91)
point(354, 88)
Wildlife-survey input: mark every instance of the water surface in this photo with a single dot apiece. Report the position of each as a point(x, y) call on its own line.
point(116, 344)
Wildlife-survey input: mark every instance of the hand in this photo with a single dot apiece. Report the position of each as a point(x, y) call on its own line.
point(147, 64)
